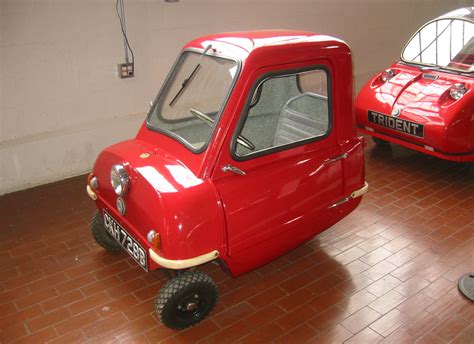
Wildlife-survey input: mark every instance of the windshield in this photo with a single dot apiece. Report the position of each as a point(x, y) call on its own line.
point(445, 43)
point(192, 98)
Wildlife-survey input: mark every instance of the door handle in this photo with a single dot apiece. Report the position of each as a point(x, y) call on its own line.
point(337, 158)
point(230, 168)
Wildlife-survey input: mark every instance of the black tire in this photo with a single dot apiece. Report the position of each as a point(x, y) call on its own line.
point(186, 300)
point(379, 142)
point(100, 234)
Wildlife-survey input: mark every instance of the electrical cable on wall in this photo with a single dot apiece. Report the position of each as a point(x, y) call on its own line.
point(125, 70)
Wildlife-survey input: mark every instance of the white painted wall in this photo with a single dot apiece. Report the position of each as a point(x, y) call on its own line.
point(61, 101)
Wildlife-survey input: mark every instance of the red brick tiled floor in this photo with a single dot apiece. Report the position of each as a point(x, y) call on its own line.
point(386, 273)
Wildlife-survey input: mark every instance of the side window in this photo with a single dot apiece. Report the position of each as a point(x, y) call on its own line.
point(284, 110)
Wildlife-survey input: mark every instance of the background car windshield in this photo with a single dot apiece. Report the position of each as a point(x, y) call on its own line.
point(446, 43)
point(193, 97)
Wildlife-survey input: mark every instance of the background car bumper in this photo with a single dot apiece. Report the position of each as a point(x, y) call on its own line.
point(458, 157)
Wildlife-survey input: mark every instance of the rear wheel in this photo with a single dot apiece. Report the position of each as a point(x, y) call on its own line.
point(100, 234)
point(186, 299)
point(379, 142)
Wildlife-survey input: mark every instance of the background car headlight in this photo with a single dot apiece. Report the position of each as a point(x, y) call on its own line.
point(387, 74)
point(457, 91)
point(119, 179)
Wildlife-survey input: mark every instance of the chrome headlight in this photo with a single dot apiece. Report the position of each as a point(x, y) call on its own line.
point(457, 91)
point(387, 74)
point(119, 179)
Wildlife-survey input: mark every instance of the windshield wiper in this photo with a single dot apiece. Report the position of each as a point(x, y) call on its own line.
point(186, 81)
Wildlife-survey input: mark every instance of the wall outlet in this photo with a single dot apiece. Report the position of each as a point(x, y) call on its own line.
point(126, 70)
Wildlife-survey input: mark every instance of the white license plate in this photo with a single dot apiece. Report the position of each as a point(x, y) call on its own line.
point(134, 249)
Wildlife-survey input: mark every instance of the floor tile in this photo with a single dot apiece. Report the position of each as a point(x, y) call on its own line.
point(386, 273)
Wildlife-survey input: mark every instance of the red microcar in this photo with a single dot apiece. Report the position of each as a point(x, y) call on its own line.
point(249, 150)
point(425, 101)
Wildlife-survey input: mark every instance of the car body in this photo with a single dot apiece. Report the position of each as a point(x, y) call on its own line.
point(425, 101)
point(249, 150)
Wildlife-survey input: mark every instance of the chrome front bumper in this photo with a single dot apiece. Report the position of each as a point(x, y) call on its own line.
point(184, 263)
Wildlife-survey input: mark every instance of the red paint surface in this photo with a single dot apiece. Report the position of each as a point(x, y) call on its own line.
point(284, 197)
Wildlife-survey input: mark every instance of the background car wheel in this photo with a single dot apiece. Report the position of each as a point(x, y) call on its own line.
point(470, 169)
point(186, 299)
point(380, 142)
point(100, 234)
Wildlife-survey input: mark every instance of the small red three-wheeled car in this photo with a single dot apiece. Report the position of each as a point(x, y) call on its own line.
point(249, 150)
point(425, 101)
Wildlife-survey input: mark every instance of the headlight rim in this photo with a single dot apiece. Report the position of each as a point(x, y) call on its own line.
point(119, 171)
point(387, 74)
point(457, 91)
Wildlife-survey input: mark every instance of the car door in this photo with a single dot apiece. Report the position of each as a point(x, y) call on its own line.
point(282, 175)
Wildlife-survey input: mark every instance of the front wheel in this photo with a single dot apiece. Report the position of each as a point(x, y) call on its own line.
point(100, 234)
point(186, 300)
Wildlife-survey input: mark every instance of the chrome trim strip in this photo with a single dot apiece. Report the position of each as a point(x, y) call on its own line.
point(182, 264)
point(431, 149)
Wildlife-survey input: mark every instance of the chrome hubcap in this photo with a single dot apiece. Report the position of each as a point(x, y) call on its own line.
point(191, 307)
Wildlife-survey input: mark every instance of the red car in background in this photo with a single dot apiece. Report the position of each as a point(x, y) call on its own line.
point(249, 150)
point(425, 101)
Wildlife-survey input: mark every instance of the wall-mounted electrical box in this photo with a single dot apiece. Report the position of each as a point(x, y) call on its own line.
point(126, 70)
